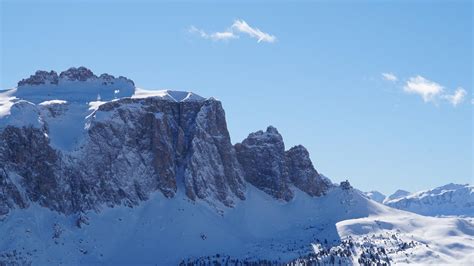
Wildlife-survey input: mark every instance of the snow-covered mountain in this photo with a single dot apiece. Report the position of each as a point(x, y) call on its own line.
point(447, 200)
point(450, 199)
point(375, 196)
point(400, 193)
point(96, 171)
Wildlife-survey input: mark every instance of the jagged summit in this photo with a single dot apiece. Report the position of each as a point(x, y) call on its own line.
point(82, 85)
point(42, 77)
point(269, 167)
point(73, 85)
point(98, 140)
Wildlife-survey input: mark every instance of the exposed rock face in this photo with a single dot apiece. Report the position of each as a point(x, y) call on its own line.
point(30, 170)
point(268, 167)
point(159, 143)
point(64, 150)
point(213, 169)
point(40, 77)
point(131, 148)
point(77, 74)
point(262, 156)
point(302, 173)
point(345, 185)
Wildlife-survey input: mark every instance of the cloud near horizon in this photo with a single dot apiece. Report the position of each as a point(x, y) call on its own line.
point(239, 26)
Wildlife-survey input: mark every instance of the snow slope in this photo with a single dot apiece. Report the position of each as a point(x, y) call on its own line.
point(428, 240)
point(166, 231)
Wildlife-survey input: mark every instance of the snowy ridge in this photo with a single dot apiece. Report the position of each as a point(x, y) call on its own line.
point(397, 195)
point(376, 196)
point(450, 199)
point(176, 96)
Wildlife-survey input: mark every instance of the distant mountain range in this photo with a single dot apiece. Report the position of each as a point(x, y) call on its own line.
point(450, 199)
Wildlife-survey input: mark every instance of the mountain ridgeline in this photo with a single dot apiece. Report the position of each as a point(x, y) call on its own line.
point(74, 142)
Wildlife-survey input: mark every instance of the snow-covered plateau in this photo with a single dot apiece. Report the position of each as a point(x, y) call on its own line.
point(96, 171)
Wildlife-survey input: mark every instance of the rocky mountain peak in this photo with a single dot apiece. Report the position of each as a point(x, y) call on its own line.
point(87, 153)
point(269, 167)
point(73, 85)
point(40, 77)
point(272, 130)
point(77, 74)
point(302, 173)
point(81, 74)
point(269, 137)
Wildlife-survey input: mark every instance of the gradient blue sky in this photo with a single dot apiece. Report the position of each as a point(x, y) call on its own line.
point(320, 83)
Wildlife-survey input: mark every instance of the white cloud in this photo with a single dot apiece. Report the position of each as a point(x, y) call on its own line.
point(215, 36)
point(389, 77)
point(457, 97)
point(242, 26)
point(427, 89)
point(225, 35)
point(239, 26)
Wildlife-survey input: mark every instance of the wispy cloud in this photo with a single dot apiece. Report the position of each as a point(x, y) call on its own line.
point(389, 77)
point(432, 91)
point(242, 26)
point(215, 36)
point(457, 97)
point(427, 89)
point(239, 26)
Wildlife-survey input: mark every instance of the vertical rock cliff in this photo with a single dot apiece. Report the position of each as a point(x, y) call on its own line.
point(76, 141)
point(272, 169)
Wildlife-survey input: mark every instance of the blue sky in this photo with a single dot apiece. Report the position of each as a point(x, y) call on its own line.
point(319, 81)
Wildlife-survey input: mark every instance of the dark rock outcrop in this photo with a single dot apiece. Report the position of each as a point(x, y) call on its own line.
point(40, 77)
point(302, 173)
point(262, 156)
point(268, 167)
point(77, 74)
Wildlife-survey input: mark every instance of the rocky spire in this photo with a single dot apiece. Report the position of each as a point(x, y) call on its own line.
point(302, 173)
point(268, 167)
point(262, 156)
